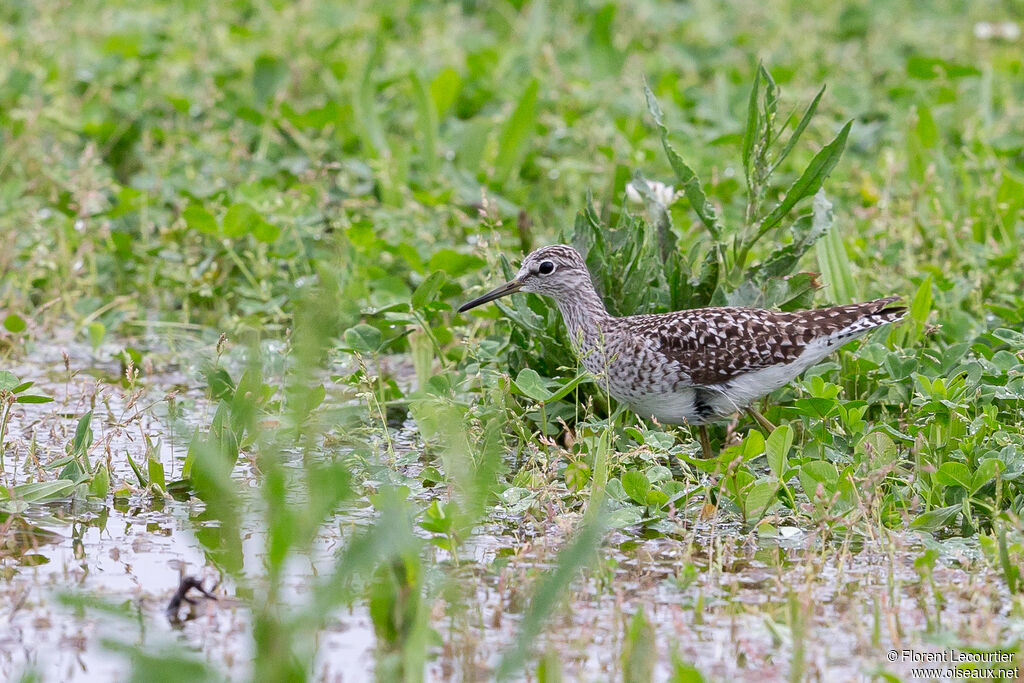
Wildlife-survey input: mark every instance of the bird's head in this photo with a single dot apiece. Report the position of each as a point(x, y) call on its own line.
point(557, 271)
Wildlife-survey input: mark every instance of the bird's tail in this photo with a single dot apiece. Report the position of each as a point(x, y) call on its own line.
point(880, 312)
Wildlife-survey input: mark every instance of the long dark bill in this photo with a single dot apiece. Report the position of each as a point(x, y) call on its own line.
point(504, 290)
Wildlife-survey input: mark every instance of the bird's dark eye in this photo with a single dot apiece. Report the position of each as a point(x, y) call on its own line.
point(546, 268)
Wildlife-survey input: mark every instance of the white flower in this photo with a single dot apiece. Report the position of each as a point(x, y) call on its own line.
point(664, 194)
point(991, 30)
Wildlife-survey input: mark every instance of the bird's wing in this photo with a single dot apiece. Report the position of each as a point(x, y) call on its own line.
point(715, 345)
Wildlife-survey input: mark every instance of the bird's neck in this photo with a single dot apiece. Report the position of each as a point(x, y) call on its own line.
point(585, 319)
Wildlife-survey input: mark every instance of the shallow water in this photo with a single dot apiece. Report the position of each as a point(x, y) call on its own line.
point(730, 614)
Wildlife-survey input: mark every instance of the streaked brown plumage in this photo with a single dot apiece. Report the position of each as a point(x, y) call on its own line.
point(693, 366)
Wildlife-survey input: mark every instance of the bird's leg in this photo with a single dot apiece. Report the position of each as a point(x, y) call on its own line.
point(705, 441)
point(761, 419)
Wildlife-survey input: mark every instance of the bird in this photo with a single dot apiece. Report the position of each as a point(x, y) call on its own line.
point(695, 366)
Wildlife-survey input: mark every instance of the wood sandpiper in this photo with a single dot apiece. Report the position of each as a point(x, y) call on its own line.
point(695, 366)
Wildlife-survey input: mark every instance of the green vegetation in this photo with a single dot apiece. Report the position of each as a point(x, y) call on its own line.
point(251, 223)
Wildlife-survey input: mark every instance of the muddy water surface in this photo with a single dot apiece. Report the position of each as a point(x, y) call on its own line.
point(733, 604)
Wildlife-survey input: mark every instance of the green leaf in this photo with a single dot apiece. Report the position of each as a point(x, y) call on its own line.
point(759, 497)
point(366, 108)
point(31, 398)
point(639, 650)
point(635, 483)
point(363, 338)
point(987, 471)
point(753, 128)
point(933, 520)
point(83, 435)
point(8, 381)
point(100, 484)
point(688, 180)
point(427, 123)
point(920, 309)
point(428, 290)
point(1011, 337)
point(269, 74)
point(811, 180)
point(800, 127)
point(143, 481)
point(265, 232)
point(155, 469)
point(834, 264)
point(531, 384)
point(777, 449)
point(753, 445)
point(15, 323)
point(818, 472)
point(454, 263)
point(444, 90)
point(567, 388)
point(954, 474)
point(42, 490)
point(199, 219)
point(517, 131)
point(240, 220)
point(97, 331)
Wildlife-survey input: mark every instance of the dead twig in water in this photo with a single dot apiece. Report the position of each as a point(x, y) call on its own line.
point(181, 595)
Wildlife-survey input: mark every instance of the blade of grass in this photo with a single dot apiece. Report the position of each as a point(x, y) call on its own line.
point(834, 264)
point(516, 133)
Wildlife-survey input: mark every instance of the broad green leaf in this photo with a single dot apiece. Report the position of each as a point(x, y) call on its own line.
point(517, 132)
point(920, 309)
point(531, 384)
point(753, 445)
point(264, 231)
point(811, 180)
point(199, 219)
point(818, 472)
point(933, 520)
point(240, 220)
point(155, 470)
point(1011, 337)
point(100, 484)
point(83, 435)
point(8, 381)
point(269, 74)
point(42, 490)
point(636, 486)
point(759, 497)
point(363, 338)
point(986, 472)
point(834, 264)
point(15, 323)
point(97, 331)
point(954, 474)
point(777, 449)
point(444, 90)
